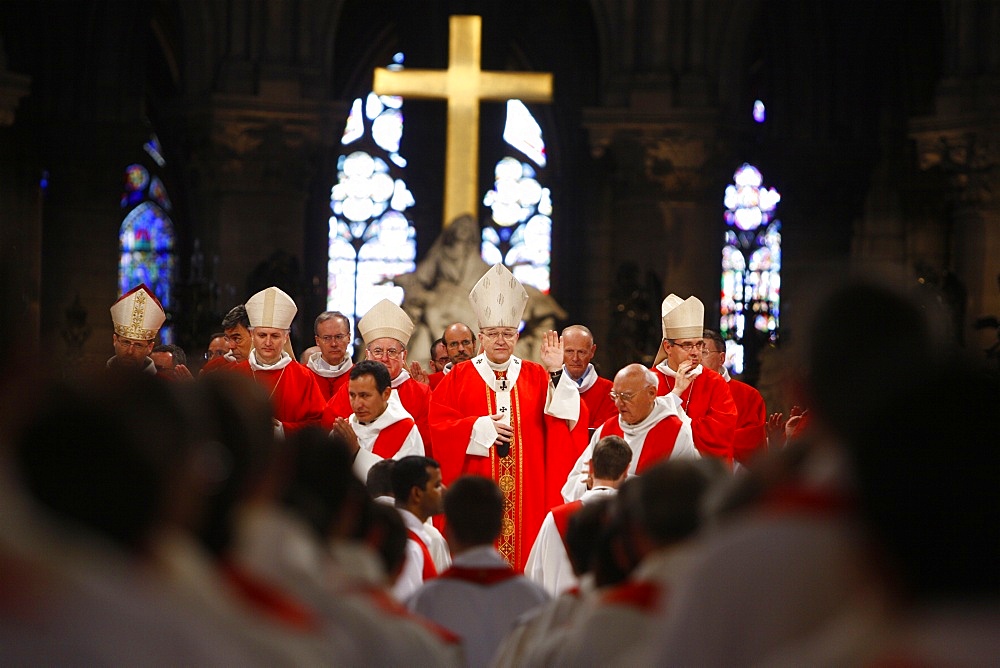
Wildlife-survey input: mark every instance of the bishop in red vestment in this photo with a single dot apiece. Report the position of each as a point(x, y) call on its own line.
point(700, 393)
point(508, 419)
point(291, 387)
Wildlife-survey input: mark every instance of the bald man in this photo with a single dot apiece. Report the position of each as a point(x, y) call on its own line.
point(578, 351)
point(652, 427)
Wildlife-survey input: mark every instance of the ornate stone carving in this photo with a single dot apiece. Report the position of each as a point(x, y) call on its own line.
point(676, 151)
point(970, 155)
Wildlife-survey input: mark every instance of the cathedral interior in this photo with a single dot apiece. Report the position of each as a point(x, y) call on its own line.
point(878, 125)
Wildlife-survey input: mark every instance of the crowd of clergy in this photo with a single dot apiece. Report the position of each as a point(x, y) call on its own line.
point(357, 509)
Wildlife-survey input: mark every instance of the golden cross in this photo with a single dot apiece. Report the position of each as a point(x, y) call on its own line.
point(463, 84)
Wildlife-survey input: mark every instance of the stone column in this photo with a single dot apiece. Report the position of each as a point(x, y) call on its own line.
point(660, 210)
point(967, 150)
point(254, 170)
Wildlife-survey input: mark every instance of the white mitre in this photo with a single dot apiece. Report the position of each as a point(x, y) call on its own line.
point(498, 298)
point(271, 308)
point(670, 302)
point(685, 320)
point(385, 319)
point(138, 314)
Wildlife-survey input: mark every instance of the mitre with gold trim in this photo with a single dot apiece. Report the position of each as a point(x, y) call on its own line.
point(138, 314)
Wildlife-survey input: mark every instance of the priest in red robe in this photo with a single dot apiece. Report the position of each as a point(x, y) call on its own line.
point(331, 364)
point(386, 330)
point(700, 393)
point(512, 420)
point(294, 394)
point(750, 437)
point(578, 351)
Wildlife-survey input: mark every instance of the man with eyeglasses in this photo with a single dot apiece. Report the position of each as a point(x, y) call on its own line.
point(291, 387)
point(217, 346)
point(439, 360)
point(236, 329)
point(137, 317)
point(697, 392)
point(509, 419)
point(460, 344)
point(386, 330)
point(578, 351)
point(654, 428)
point(330, 364)
point(750, 437)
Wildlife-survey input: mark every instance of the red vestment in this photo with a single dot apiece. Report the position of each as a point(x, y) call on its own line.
point(599, 402)
point(435, 378)
point(294, 394)
point(330, 386)
point(217, 364)
point(751, 431)
point(413, 395)
point(542, 449)
point(709, 404)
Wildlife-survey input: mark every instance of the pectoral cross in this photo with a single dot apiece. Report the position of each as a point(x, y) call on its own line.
point(463, 84)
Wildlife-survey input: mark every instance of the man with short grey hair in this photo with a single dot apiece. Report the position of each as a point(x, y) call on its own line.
point(578, 351)
point(331, 364)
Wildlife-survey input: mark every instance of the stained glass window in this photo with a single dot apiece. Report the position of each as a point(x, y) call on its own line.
point(520, 231)
point(371, 239)
point(146, 235)
point(751, 265)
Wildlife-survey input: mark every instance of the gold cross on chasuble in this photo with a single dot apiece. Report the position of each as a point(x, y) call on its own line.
point(463, 84)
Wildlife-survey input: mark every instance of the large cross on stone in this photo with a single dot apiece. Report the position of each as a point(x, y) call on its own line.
point(463, 84)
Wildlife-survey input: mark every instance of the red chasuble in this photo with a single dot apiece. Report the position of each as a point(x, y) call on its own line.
point(330, 386)
point(294, 394)
point(751, 433)
point(710, 406)
point(542, 450)
point(435, 378)
point(413, 395)
point(599, 403)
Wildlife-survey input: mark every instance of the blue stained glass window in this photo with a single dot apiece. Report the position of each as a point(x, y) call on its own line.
point(146, 235)
point(751, 264)
point(146, 244)
point(370, 238)
point(520, 232)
